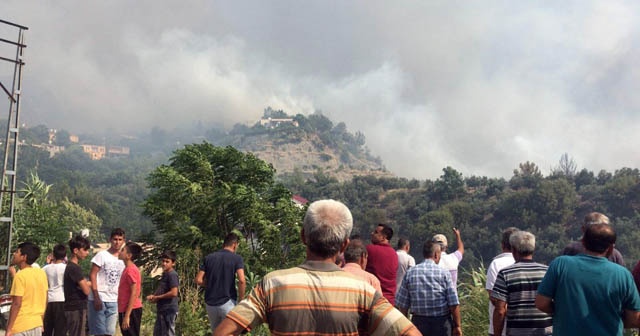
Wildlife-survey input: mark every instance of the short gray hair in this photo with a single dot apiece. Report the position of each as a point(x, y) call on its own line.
point(595, 218)
point(523, 242)
point(327, 224)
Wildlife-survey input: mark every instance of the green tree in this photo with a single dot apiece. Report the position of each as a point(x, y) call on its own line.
point(450, 185)
point(206, 192)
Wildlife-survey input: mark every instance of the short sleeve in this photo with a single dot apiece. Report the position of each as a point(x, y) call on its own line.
point(98, 259)
point(499, 290)
point(173, 280)
point(239, 263)
point(548, 285)
point(632, 299)
point(412, 261)
point(458, 255)
point(251, 312)
point(18, 285)
point(492, 273)
point(385, 320)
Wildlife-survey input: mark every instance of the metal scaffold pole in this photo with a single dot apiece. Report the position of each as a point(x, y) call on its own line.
point(10, 163)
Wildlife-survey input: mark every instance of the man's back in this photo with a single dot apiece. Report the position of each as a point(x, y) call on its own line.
point(516, 285)
point(589, 294)
point(55, 278)
point(405, 261)
point(383, 263)
point(318, 298)
point(427, 290)
point(220, 273)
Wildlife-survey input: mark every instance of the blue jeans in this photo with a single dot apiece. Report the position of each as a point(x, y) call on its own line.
point(103, 322)
point(218, 313)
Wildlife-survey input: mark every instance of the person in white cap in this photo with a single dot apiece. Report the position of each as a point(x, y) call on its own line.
point(451, 261)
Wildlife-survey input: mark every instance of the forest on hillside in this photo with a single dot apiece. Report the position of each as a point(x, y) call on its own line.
point(551, 206)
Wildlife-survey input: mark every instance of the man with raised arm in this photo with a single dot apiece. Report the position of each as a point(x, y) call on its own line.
point(317, 297)
point(451, 261)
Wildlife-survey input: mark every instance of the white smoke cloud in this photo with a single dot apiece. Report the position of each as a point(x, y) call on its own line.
point(480, 87)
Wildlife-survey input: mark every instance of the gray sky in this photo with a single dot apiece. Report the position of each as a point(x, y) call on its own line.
point(477, 85)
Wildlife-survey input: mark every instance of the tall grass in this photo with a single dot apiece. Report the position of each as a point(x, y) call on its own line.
point(474, 302)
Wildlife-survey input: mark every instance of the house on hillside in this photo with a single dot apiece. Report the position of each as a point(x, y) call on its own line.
point(277, 122)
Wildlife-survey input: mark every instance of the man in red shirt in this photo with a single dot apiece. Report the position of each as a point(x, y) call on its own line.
point(383, 260)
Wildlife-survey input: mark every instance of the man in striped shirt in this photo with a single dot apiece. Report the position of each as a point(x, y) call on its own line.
point(317, 297)
point(514, 292)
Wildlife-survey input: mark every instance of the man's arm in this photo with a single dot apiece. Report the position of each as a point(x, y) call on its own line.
point(228, 327)
point(631, 318)
point(499, 315)
point(456, 328)
point(16, 304)
point(242, 283)
point(93, 276)
point(459, 241)
point(200, 279)
point(544, 304)
point(132, 299)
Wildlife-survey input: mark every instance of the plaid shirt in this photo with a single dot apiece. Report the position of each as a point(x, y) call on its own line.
point(427, 290)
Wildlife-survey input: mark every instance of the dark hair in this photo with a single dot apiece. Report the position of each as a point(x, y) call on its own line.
point(402, 243)
point(599, 237)
point(79, 242)
point(230, 239)
point(31, 250)
point(134, 249)
point(59, 252)
point(117, 232)
point(168, 254)
point(387, 231)
point(506, 234)
point(354, 251)
point(430, 248)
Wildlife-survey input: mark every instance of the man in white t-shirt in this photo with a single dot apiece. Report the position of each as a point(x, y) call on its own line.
point(54, 322)
point(405, 260)
point(450, 261)
point(501, 261)
point(106, 270)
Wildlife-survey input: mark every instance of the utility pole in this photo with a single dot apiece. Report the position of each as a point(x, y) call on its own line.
point(10, 164)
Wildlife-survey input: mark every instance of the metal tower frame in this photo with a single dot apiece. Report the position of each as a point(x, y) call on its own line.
point(10, 163)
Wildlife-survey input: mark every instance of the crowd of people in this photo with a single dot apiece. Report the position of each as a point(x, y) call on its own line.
point(344, 286)
point(60, 300)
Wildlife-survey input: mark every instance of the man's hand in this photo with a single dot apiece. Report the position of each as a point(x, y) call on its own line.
point(125, 322)
point(456, 331)
point(97, 303)
point(151, 298)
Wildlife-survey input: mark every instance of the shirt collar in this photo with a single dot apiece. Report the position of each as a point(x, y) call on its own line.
point(319, 266)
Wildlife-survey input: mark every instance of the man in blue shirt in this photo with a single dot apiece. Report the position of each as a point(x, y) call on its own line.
point(218, 275)
point(587, 294)
point(427, 290)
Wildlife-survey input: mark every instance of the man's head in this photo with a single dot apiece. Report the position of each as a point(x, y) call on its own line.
point(432, 250)
point(442, 240)
point(117, 239)
point(26, 253)
point(79, 246)
point(168, 260)
point(403, 244)
point(381, 234)
point(131, 251)
point(356, 252)
point(231, 242)
point(594, 218)
point(59, 252)
point(523, 244)
point(599, 238)
point(506, 234)
point(326, 228)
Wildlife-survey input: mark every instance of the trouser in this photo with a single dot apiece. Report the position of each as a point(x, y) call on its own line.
point(76, 322)
point(134, 322)
point(54, 322)
point(165, 323)
point(436, 326)
point(218, 313)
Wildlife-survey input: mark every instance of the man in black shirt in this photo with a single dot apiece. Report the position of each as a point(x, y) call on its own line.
point(76, 287)
point(217, 275)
